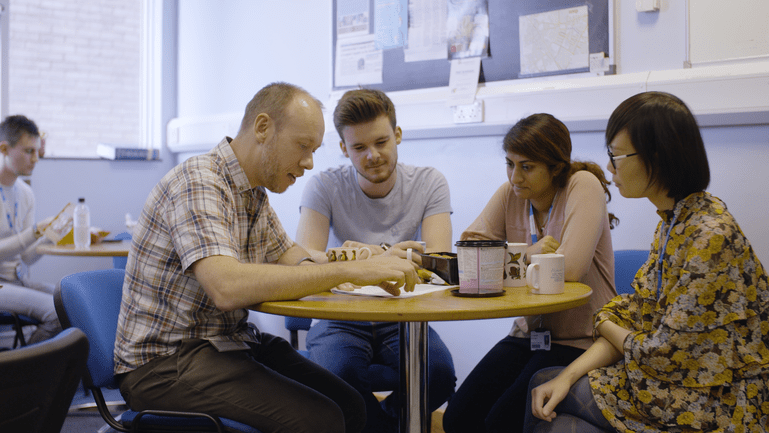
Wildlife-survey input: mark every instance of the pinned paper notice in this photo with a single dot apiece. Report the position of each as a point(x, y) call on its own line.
point(463, 81)
point(358, 62)
point(599, 64)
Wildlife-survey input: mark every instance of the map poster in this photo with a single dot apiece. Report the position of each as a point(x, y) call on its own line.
point(554, 41)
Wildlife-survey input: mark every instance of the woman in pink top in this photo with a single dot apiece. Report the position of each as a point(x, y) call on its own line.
point(556, 205)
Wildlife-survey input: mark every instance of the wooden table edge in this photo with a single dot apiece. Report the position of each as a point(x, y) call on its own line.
point(111, 249)
point(576, 294)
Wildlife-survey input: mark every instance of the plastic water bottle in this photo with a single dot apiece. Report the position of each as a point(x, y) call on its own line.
point(82, 224)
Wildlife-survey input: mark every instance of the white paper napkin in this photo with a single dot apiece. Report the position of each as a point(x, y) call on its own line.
point(419, 289)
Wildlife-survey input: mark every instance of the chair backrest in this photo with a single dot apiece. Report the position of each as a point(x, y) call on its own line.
point(117, 261)
point(37, 382)
point(626, 265)
point(91, 301)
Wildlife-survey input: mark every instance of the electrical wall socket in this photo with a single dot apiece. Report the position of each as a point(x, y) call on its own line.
point(471, 113)
point(647, 5)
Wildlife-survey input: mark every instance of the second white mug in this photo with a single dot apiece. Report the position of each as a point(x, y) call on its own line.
point(545, 274)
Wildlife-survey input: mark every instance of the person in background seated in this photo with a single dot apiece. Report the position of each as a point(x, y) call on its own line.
point(556, 205)
point(19, 234)
point(207, 246)
point(375, 202)
point(687, 351)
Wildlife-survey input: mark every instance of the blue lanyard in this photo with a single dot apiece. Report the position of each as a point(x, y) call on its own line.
point(533, 222)
point(15, 208)
point(663, 244)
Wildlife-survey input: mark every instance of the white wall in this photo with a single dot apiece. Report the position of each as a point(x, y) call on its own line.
point(228, 50)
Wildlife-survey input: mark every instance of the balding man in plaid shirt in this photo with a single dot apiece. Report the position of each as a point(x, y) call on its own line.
point(206, 247)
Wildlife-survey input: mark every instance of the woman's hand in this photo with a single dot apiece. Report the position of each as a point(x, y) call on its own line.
point(546, 397)
point(546, 245)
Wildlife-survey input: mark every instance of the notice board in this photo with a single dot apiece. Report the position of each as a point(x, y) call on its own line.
point(503, 62)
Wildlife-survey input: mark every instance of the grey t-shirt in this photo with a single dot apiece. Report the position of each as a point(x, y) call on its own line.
point(419, 192)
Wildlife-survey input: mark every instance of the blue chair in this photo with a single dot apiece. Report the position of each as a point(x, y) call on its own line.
point(38, 382)
point(626, 265)
point(17, 323)
point(120, 262)
point(91, 301)
point(382, 377)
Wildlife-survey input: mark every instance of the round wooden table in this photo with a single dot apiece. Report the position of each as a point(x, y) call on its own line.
point(413, 314)
point(102, 249)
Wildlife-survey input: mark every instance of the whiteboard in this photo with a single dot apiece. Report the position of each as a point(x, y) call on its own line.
point(724, 30)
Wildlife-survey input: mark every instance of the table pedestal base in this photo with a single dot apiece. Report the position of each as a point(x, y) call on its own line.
point(415, 416)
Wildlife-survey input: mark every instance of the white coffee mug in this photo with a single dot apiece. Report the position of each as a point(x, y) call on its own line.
point(515, 264)
point(343, 254)
point(545, 274)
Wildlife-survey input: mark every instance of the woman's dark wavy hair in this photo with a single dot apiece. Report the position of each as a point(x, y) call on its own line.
point(543, 138)
point(667, 138)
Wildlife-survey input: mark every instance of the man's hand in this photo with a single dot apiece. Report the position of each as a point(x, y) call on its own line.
point(375, 249)
point(389, 273)
point(42, 225)
point(401, 250)
point(388, 287)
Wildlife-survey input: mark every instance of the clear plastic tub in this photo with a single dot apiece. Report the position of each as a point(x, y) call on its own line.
point(481, 266)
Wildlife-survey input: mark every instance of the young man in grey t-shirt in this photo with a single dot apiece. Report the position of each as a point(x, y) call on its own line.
point(386, 206)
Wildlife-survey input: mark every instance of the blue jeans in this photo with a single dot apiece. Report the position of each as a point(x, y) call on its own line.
point(348, 348)
point(576, 413)
point(493, 397)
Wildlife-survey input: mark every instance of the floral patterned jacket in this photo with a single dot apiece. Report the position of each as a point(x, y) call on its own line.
point(697, 358)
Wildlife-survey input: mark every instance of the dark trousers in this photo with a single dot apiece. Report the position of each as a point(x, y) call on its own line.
point(270, 387)
point(576, 413)
point(493, 396)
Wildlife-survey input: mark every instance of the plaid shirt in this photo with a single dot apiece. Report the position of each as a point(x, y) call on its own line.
point(203, 207)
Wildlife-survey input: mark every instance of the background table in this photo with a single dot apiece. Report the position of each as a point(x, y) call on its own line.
point(102, 249)
point(413, 314)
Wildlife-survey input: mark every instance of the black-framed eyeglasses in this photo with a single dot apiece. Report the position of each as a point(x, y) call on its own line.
point(614, 159)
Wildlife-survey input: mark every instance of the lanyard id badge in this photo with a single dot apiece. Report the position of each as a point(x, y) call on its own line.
point(540, 339)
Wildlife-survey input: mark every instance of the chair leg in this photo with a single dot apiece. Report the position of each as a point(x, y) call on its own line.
point(18, 339)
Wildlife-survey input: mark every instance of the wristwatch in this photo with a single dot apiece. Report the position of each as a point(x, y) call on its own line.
point(385, 246)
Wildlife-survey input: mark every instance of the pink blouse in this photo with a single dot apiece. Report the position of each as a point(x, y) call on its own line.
point(579, 221)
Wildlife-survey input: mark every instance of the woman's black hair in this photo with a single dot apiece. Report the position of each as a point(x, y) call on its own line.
point(667, 138)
